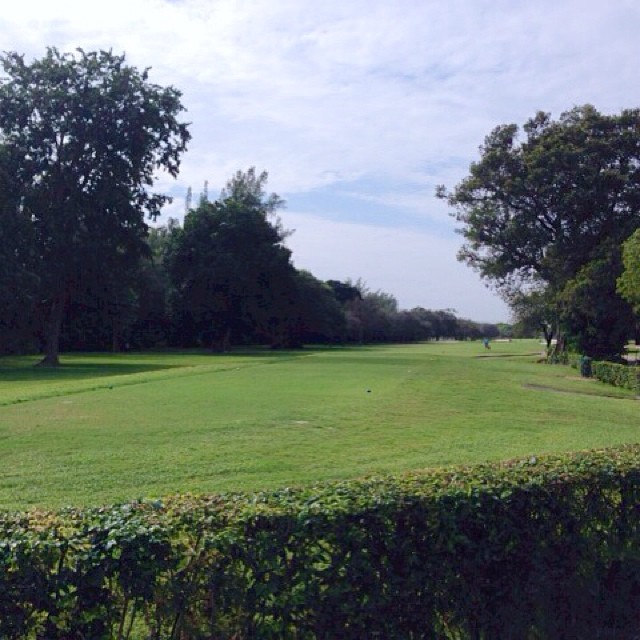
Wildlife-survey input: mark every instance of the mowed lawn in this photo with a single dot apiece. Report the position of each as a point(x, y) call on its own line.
point(109, 428)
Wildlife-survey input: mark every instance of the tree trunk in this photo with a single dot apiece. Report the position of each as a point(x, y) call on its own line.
point(548, 336)
point(53, 327)
point(558, 353)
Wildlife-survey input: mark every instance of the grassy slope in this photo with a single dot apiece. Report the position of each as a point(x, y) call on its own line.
point(110, 428)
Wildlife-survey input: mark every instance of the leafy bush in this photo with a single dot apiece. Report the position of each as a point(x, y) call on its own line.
point(543, 548)
point(574, 360)
point(619, 375)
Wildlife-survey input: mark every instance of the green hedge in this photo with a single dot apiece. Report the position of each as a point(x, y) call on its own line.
point(619, 375)
point(538, 548)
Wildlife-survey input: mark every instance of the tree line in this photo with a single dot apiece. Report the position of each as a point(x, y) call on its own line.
point(225, 277)
point(83, 137)
point(550, 214)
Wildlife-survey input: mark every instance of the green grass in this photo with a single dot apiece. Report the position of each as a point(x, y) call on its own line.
point(107, 428)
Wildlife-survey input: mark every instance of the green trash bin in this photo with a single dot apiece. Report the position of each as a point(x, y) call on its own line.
point(585, 366)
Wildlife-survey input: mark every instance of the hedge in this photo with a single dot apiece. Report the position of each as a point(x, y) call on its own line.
point(619, 375)
point(537, 548)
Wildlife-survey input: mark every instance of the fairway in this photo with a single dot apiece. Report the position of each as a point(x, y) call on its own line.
point(107, 428)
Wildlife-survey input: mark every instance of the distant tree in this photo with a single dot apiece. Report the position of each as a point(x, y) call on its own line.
point(90, 132)
point(536, 212)
point(411, 326)
point(489, 330)
point(370, 317)
point(424, 318)
point(309, 313)
point(468, 330)
point(537, 313)
point(472, 330)
point(444, 323)
point(505, 330)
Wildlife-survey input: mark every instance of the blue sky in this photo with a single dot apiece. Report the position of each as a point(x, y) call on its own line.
point(357, 109)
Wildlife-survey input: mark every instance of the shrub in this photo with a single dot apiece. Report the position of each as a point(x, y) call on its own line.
point(541, 548)
point(619, 375)
point(574, 360)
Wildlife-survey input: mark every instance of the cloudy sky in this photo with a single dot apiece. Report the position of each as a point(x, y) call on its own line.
point(357, 108)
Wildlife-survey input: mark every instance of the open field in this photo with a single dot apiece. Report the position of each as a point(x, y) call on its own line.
point(108, 428)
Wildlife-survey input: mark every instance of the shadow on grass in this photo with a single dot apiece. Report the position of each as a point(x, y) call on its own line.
point(23, 370)
point(507, 355)
point(84, 366)
point(599, 392)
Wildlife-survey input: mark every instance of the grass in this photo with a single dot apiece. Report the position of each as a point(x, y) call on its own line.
point(107, 428)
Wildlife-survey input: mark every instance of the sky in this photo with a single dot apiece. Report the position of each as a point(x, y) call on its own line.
point(357, 109)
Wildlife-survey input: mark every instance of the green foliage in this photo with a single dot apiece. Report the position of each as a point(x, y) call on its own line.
point(574, 360)
point(619, 375)
point(541, 547)
point(229, 266)
point(309, 313)
point(598, 320)
point(629, 281)
point(371, 316)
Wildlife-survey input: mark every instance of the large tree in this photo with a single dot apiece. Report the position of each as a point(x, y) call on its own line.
point(536, 211)
point(91, 132)
point(229, 266)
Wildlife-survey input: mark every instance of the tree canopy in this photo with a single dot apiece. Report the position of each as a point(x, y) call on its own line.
point(90, 133)
point(229, 265)
point(537, 210)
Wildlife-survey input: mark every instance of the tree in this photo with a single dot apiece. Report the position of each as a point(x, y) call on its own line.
point(91, 133)
point(628, 284)
point(425, 323)
point(370, 316)
point(412, 326)
point(535, 312)
point(310, 313)
point(536, 212)
point(229, 265)
point(599, 321)
point(152, 327)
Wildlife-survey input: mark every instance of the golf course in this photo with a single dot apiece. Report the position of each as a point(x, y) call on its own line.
point(106, 428)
